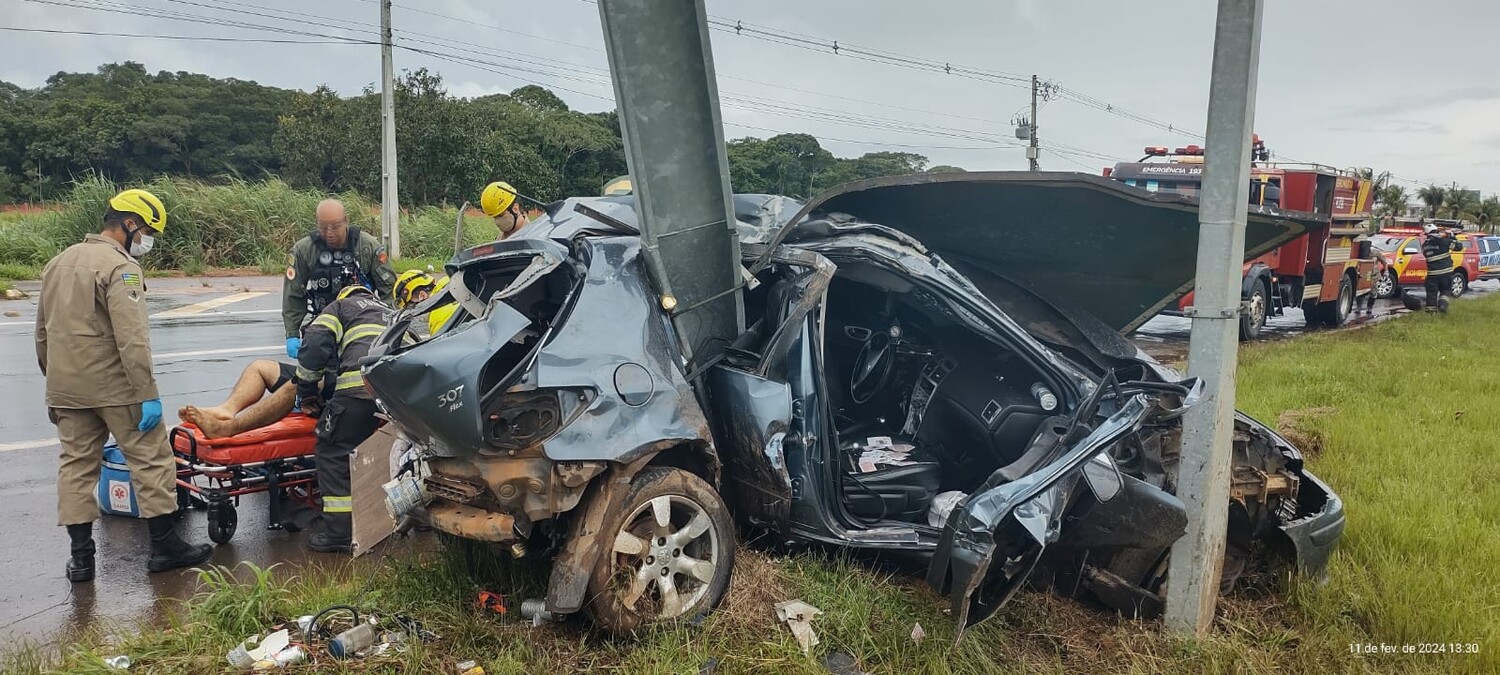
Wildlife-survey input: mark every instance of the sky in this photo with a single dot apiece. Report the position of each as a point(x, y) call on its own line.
point(1397, 86)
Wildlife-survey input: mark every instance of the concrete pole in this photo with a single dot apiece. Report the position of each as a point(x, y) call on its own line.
point(662, 66)
point(1032, 152)
point(1203, 480)
point(390, 224)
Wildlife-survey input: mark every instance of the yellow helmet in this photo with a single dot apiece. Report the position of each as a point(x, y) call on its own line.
point(408, 284)
point(352, 289)
point(618, 186)
point(497, 197)
point(143, 204)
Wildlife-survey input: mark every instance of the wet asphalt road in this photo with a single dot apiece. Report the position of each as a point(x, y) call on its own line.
point(203, 333)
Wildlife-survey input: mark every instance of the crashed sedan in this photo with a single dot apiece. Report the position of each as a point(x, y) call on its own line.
point(922, 371)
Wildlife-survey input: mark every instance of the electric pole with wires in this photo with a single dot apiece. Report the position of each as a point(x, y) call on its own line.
point(390, 224)
point(1041, 91)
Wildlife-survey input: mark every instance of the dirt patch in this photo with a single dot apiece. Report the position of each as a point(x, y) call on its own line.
point(211, 273)
point(1295, 426)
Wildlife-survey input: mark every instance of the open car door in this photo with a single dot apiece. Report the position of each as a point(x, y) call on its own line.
point(992, 542)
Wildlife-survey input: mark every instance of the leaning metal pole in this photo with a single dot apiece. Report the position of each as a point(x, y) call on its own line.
point(663, 72)
point(1203, 479)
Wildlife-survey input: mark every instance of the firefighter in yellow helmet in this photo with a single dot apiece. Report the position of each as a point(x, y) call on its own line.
point(437, 317)
point(93, 344)
point(412, 287)
point(499, 202)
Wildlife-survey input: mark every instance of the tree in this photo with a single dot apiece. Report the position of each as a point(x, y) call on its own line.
point(946, 168)
point(1433, 197)
point(1488, 213)
point(1391, 202)
point(1460, 203)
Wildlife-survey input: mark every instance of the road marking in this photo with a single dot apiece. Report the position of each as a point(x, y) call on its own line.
point(215, 315)
point(217, 352)
point(200, 307)
point(28, 445)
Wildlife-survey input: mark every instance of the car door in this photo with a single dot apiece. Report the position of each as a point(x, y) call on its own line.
point(991, 544)
point(1410, 264)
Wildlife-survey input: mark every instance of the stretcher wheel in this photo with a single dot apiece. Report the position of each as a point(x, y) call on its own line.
point(222, 519)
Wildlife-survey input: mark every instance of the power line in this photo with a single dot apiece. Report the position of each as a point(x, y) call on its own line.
point(206, 38)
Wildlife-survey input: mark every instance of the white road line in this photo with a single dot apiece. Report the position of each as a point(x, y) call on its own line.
point(215, 315)
point(217, 352)
point(200, 307)
point(28, 445)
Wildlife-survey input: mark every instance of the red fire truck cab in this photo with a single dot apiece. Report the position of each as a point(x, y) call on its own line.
point(1324, 271)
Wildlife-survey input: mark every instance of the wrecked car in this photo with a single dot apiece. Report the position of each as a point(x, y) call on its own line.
point(910, 380)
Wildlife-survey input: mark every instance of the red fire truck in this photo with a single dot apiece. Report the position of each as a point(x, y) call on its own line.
point(1324, 271)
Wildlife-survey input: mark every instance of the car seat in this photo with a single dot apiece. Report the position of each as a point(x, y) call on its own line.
point(891, 492)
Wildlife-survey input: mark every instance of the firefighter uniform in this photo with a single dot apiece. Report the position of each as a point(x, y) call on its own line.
point(336, 341)
point(1437, 250)
point(93, 344)
point(317, 273)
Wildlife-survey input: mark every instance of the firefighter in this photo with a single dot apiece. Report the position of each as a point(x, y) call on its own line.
point(1437, 248)
point(412, 287)
point(499, 202)
point(93, 344)
point(323, 263)
point(336, 341)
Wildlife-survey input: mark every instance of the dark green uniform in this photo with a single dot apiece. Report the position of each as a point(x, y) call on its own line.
point(336, 341)
point(317, 273)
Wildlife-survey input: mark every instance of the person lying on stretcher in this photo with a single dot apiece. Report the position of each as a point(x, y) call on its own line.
point(265, 392)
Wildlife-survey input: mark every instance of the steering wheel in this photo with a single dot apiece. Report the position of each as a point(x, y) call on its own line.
point(872, 368)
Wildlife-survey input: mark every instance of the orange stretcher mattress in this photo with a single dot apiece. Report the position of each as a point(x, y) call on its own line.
point(293, 436)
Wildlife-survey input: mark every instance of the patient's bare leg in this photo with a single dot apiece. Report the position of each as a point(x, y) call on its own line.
point(262, 413)
point(254, 382)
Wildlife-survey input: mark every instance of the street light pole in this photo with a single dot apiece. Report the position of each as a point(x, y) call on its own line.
point(1197, 559)
point(390, 226)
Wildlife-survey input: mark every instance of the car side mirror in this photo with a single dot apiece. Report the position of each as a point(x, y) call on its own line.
point(1103, 477)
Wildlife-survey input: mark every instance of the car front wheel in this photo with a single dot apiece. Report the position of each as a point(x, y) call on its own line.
point(1386, 285)
point(670, 553)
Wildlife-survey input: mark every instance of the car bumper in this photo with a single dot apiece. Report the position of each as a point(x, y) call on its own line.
point(1314, 535)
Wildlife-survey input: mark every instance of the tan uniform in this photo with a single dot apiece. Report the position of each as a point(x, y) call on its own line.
point(93, 344)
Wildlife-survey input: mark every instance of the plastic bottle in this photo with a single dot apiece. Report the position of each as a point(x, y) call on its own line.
point(350, 641)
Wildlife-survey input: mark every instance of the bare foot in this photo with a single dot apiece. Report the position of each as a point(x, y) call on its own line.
point(212, 427)
point(217, 412)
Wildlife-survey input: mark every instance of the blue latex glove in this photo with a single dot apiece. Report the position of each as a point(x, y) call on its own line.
point(293, 345)
point(150, 414)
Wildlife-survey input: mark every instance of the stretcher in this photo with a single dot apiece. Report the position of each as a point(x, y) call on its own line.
point(213, 474)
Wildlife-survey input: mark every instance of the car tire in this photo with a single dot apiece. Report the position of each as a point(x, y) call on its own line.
point(1254, 318)
point(1335, 312)
point(1387, 286)
point(1460, 284)
point(652, 572)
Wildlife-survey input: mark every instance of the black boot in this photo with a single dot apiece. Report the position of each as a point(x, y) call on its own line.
point(337, 535)
point(81, 565)
point(169, 551)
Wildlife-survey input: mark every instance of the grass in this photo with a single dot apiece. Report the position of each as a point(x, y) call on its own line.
point(1409, 447)
point(230, 223)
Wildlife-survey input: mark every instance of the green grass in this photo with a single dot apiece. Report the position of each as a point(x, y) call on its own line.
point(228, 223)
point(1416, 565)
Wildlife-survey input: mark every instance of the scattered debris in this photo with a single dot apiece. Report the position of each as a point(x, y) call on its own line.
point(1458, 415)
point(353, 640)
point(917, 634)
point(15, 294)
point(117, 662)
point(244, 656)
point(291, 655)
point(536, 610)
point(709, 667)
point(470, 668)
point(840, 663)
point(12, 314)
point(490, 602)
point(798, 616)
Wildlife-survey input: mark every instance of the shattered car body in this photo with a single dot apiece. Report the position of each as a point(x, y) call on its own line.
point(559, 417)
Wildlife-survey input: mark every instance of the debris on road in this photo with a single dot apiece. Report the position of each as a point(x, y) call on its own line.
point(244, 656)
point(15, 294)
point(117, 662)
point(470, 668)
point(798, 616)
point(490, 602)
point(536, 610)
point(13, 314)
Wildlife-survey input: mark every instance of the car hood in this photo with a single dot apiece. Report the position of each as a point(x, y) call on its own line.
point(1084, 244)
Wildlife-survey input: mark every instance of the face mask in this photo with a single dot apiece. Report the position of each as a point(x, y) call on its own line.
point(139, 244)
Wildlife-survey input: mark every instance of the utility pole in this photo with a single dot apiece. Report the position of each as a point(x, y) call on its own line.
point(1031, 151)
point(390, 224)
point(1197, 559)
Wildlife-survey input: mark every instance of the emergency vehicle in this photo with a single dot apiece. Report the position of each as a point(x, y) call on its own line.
point(1402, 248)
point(1324, 271)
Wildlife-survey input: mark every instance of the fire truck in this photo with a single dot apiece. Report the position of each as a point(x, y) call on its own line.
point(1325, 271)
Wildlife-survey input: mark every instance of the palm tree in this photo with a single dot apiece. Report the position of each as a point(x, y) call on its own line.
point(1488, 213)
point(1460, 203)
point(1432, 196)
point(1391, 202)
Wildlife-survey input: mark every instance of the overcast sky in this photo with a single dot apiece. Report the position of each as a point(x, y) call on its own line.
point(1407, 87)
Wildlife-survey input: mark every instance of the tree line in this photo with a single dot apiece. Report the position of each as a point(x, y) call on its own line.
point(126, 124)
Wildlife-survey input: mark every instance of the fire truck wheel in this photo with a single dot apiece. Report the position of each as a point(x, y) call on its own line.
point(1254, 317)
point(1336, 311)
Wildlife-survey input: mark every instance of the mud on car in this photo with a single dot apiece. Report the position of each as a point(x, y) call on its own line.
point(909, 380)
